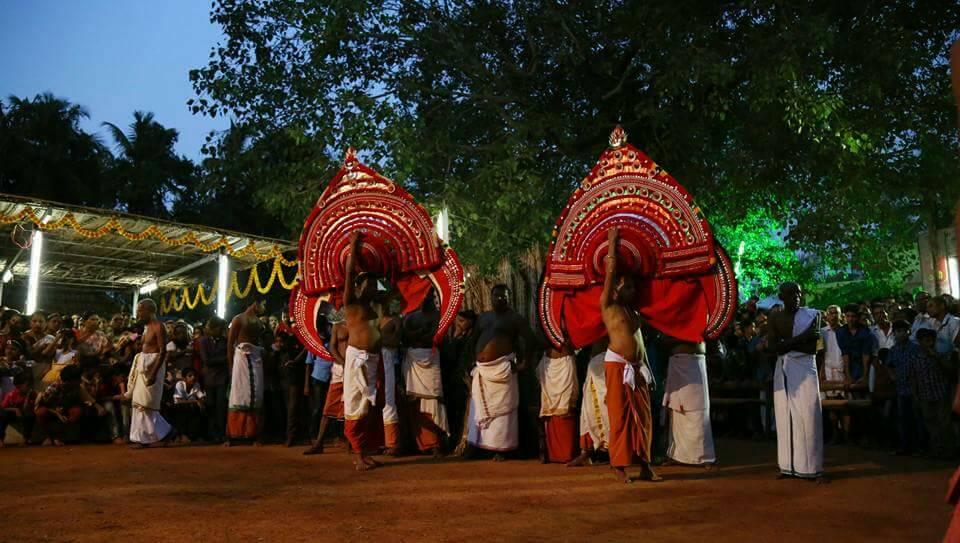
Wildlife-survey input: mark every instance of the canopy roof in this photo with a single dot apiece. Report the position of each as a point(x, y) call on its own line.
point(105, 249)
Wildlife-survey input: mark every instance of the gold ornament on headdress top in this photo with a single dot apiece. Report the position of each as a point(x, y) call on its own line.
point(618, 137)
point(350, 159)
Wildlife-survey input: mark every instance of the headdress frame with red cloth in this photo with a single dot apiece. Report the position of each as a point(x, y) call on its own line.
point(685, 286)
point(399, 243)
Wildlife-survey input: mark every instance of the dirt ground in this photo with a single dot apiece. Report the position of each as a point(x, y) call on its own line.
point(206, 493)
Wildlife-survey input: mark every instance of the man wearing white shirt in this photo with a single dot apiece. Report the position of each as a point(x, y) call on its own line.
point(946, 325)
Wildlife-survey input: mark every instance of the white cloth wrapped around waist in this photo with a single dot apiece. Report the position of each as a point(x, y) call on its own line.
point(246, 379)
point(559, 390)
point(686, 385)
point(594, 418)
point(495, 385)
point(336, 374)
point(421, 370)
point(630, 369)
point(359, 382)
point(144, 396)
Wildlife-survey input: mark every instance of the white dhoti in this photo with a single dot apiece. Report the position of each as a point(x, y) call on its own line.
point(364, 425)
point(559, 390)
point(796, 405)
point(146, 424)
point(594, 418)
point(687, 396)
point(391, 359)
point(492, 421)
point(359, 383)
point(245, 407)
point(421, 371)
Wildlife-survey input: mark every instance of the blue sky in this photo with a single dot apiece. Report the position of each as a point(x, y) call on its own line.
point(112, 57)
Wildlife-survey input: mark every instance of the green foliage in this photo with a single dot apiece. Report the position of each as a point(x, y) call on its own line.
point(835, 118)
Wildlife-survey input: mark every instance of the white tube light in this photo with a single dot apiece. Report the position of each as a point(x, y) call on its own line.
point(223, 269)
point(149, 287)
point(7, 276)
point(33, 284)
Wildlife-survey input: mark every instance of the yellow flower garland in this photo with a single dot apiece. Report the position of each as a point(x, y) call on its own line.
point(113, 225)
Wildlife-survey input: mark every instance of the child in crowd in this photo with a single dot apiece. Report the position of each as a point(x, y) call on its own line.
point(189, 406)
point(113, 393)
point(18, 406)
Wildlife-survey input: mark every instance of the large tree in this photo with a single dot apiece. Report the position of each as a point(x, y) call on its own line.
point(833, 118)
point(44, 153)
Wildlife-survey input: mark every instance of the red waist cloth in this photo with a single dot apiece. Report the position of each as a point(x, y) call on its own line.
point(676, 307)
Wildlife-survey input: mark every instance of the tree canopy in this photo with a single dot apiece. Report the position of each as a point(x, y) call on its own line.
point(834, 119)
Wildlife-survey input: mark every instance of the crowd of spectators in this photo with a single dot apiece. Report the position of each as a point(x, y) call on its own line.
point(888, 371)
point(64, 378)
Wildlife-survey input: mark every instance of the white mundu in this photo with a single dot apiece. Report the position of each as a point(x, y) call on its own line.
point(594, 418)
point(558, 385)
point(796, 404)
point(359, 382)
point(687, 396)
point(421, 371)
point(492, 421)
point(146, 424)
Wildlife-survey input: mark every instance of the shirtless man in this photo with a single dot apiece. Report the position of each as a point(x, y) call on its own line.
point(333, 405)
point(145, 383)
point(424, 384)
point(628, 399)
point(492, 421)
point(390, 340)
point(364, 425)
point(245, 356)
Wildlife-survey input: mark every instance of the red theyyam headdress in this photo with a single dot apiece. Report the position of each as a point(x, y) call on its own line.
point(686, 286)
point(399, 243)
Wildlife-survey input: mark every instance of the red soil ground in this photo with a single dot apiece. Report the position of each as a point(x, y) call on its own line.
point(205, 494)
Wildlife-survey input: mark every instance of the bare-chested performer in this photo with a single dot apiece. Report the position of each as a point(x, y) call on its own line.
point(687, 399)
point(390, 325)
point(362, 366)
point(793, 334)
point(424, 383)
point(628, 398)
point(245, 356)
point(333, 405)
point(492, 420)
point(145, 383)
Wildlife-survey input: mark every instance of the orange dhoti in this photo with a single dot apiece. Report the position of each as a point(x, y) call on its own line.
point(561, 438)
point(362, 410)
point(333, 406)
point(628, 406)
point(427, 414)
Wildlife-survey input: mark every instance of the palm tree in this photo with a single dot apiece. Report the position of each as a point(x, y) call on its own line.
point(152, 175)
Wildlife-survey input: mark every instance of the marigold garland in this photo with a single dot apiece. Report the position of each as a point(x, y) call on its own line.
point(180, 299)
point(114, 225)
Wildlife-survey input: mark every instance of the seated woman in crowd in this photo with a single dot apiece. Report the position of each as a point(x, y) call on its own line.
point(65, 354)
point(188, 406)
point(90, 334)
point(38, 342)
